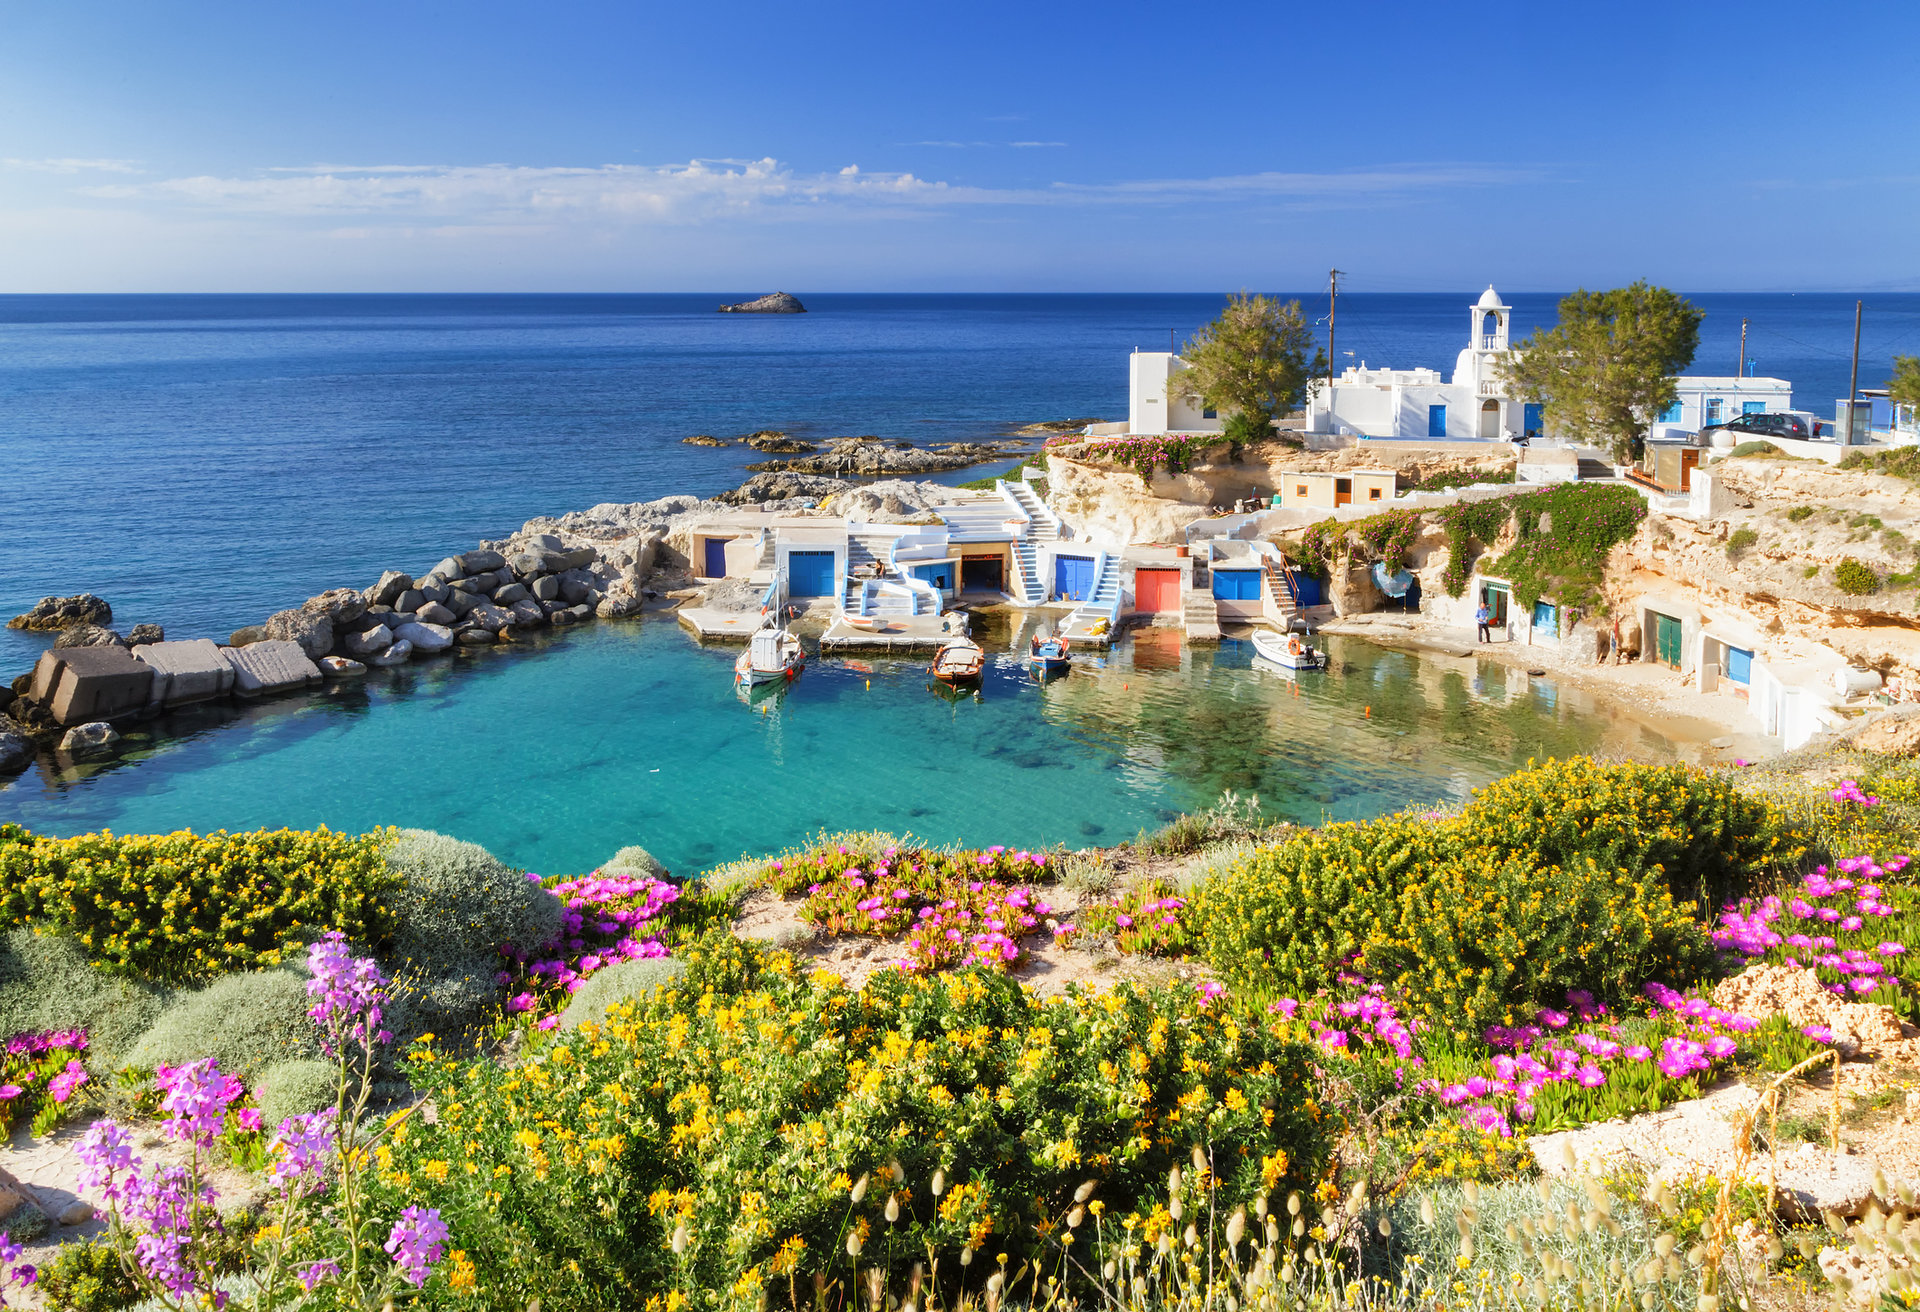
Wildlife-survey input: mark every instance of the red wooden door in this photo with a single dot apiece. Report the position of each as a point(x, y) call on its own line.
point(1156, 591)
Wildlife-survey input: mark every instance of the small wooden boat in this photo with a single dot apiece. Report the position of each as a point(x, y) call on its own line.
point(1048, 655)
point(774, 655)
point(1287, 651)
point(959, 661)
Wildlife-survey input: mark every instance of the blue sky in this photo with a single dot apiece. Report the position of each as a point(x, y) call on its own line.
point(986, 146)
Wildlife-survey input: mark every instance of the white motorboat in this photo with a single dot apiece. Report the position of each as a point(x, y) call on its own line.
point(774, 655)
point(1287, 650)
point(959, 661)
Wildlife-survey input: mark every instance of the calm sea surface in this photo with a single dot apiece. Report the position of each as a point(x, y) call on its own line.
point(202, 461)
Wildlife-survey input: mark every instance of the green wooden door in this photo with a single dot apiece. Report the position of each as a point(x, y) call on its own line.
point(1666, 640)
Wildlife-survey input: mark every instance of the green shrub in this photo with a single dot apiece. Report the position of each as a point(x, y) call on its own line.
point(1740, 540)
point(47, 983)
point(1757, 448)
point(247, 1021)
point(1810, 572)
point(87, 1278)
point(1567, 560)
point(1285, 921)
point(182, 907)
point(454, 908)
point(455, 905)
point(1855, 579)
point(293, 1088)
point(1710, 840)
point(766, 1111)
point(626, 982)
point(1799, 513)
point(635, 861)
point(1489, 939)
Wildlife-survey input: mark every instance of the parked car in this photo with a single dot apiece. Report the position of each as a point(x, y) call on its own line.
point(1793, 424)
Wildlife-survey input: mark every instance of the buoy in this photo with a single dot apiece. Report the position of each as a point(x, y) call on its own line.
point(869, 685)
point(1369, 714)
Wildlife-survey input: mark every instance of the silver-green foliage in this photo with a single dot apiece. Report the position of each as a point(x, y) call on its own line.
point(246, 1021)
point(606, 988)
point(293, 1088)
point(636, 861)
point(46, 983)
point(455, 905)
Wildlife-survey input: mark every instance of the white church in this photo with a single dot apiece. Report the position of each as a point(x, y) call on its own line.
point(1415, 403)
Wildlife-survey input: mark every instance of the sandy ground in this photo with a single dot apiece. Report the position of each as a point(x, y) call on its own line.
point(51, 1172)
point(1709, 727)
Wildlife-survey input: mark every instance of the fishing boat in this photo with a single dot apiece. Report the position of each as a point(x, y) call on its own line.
point(1048, 654)
point(958, 662)
point(1287, 650)
point(774, 655)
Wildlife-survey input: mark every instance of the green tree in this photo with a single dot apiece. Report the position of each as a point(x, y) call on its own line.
point(1606, 369)
point(1253, 364)
point(1904, 386)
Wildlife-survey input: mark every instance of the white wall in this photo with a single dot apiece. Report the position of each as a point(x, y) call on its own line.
point(1148, 410)
point(1697, 391)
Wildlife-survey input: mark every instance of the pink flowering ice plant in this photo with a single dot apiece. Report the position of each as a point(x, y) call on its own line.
point(1583, 1048)
point(163, 1217)
point(607, 919)
point(41, 1075)
point(1831, 923)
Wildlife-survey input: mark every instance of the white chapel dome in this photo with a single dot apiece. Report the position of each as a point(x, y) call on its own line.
point(1489, 299)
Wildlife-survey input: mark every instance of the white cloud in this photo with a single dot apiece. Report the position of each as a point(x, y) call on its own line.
point(430, 196)
point(73, 165)
point(1029, 145)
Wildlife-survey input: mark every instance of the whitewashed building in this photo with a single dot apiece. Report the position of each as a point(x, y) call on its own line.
point(1474, 405)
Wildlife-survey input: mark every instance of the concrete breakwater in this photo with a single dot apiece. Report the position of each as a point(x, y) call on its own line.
point(93, 678)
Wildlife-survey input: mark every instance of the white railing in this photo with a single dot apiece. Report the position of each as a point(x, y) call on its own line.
point(1488, 342)
point(1093, 609)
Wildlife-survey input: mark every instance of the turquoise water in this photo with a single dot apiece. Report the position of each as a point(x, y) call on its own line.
point(632, 733)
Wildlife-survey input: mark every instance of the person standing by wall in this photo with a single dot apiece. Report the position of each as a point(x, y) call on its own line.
point(1483, 617)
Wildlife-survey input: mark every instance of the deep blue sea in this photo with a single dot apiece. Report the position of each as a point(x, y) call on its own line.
point(202, 461)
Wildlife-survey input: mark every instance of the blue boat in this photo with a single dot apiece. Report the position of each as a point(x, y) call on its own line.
point(1048, 655)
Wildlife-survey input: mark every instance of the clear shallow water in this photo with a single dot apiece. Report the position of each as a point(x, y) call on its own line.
point(632, 733)
point(202, 461)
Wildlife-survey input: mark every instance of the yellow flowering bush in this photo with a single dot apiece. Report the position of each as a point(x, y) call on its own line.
point(753, 1126)
point(1710, 840)
point(1487, 940)
point(183, 907)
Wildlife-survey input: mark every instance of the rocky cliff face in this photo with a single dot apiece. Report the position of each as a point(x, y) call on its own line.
point(1771, 560)
point(1112, 503)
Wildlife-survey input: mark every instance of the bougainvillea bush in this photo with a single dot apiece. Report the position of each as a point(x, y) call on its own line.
point(753, 1126)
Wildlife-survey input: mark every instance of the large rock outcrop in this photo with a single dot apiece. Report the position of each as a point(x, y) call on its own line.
point(772, 303)
point(871, 457)
point(51, 613)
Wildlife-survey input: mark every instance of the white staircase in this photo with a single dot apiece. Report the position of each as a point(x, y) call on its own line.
point(891, 593)
point(1283, 600)
point(1102, 603)
point(977, 519)
point(1043, 530)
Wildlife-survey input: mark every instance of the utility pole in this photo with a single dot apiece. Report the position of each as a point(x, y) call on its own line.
point(1171, 348)
point(1741, 372)
point(1333, 309)
point(1853, 379)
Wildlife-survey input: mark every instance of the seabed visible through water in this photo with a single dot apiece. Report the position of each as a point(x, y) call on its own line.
point(619, 733)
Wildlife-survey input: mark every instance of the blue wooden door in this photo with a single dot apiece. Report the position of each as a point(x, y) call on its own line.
point(1236, 585)
point(1533, 421)
point(716, 558)
point(939, 576)
point(1436, 421)
point(1072, 577)
point(1739, 665)
point(810, 573)
point(1546, 621)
